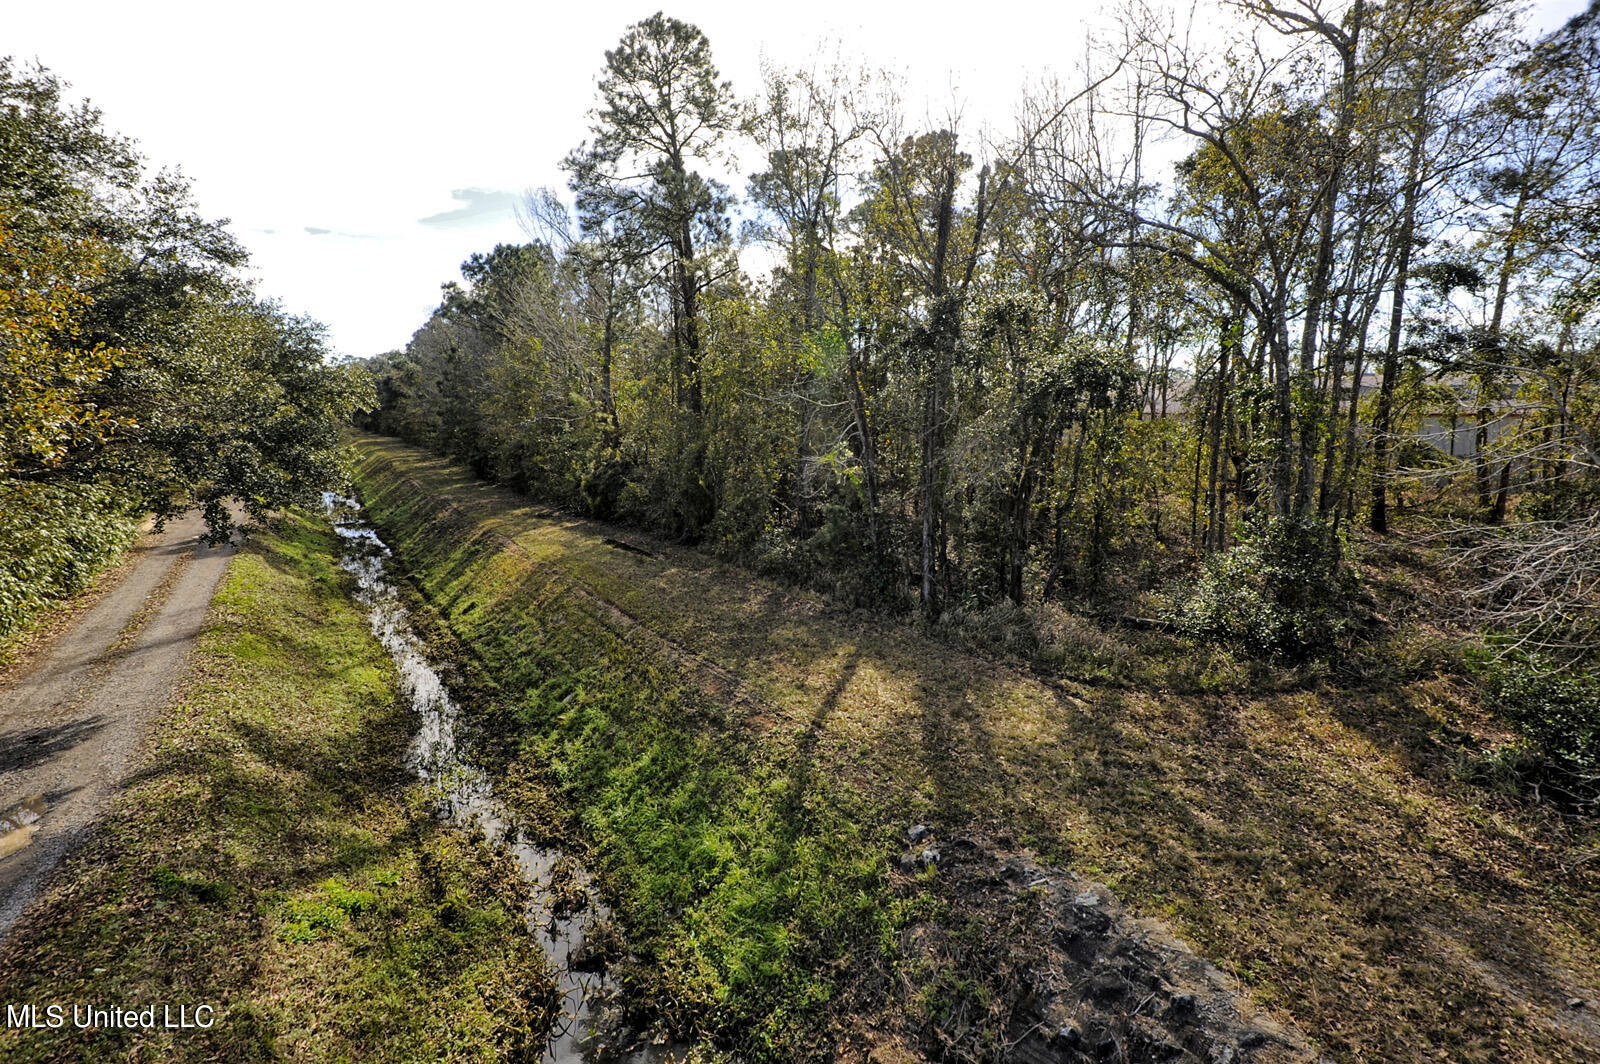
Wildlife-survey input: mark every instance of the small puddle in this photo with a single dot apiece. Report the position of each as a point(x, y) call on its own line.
point(564, 907)
point(19, 823)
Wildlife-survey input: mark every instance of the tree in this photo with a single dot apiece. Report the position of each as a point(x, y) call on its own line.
point(1037, 387)
point(57, 163)
point(1443, 53)
point(806, 125)
point(989, 382)
point(662, 112)
point(47, 373)
point(139, 369)
point(911, 213)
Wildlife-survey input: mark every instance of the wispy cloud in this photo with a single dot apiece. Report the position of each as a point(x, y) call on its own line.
point(478, 205)
point(316, 230)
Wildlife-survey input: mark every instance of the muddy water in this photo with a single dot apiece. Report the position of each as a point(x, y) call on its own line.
point(19, 823)
point(563, 906)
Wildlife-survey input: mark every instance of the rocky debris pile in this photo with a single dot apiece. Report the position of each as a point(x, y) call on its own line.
point(1035, 965)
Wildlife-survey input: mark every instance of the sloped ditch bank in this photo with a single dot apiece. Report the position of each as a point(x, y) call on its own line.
point(984, 968)
point(565, 913)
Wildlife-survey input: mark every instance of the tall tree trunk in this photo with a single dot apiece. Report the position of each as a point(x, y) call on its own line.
point(1214, 506)
point(1480, 448)
point(1498, 514)
point(1329, 497)
point(608, 401)
point(1283, 410)
point(1336, 369)
point(689, 324)
point(1383, 419)
point(1495, 510)
point(1065, 507)
point(930, 497)
point(808, 323)
point(927, 488)
point(1349, 45)
point(1347, 471)
point(868, 452)
point(1196, 542)
point(1508, 259)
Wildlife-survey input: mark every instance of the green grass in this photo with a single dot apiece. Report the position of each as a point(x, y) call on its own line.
point(749, 881)
point(742, 755)
point(274, 860)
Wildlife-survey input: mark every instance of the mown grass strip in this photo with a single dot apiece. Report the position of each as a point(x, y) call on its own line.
point(275, 861)
point(754, 887)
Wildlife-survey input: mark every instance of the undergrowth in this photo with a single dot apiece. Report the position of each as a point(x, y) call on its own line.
point(1556, 712)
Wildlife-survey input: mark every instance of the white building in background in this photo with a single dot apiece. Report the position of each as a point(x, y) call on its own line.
point(1452, 431)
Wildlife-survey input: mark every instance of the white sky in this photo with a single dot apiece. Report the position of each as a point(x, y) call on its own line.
point(328, 130)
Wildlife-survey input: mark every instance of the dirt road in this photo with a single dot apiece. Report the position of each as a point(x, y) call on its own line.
point(72, 727)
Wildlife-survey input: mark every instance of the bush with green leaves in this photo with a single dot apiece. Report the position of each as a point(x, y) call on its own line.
point(140, 372)
point(53, 539)
point(998, 628)
point(1558, 712)
point(1282, 591)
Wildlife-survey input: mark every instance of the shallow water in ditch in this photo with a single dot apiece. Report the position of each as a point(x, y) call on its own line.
point(466, 799)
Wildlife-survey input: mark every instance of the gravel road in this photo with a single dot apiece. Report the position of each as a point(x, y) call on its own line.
point(72, 728)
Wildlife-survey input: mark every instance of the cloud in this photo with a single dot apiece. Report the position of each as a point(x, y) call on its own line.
point(478, 205)
point(314, 230)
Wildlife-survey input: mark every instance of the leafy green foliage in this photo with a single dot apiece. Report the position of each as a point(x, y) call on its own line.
point(307, 918)
point(1559, 714)
point(53, 539)
point(1279, 592)
point(138, 371)
point(55, 156)
point(1037, 371)
point(47, 375)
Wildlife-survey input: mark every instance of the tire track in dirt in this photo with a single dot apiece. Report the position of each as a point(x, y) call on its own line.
point(72, 728)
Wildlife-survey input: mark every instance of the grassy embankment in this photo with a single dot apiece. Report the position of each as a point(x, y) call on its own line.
point(274, 860)
point(742, 758)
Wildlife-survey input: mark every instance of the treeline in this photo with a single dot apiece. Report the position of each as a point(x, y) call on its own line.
point(990, 372)
point(139, 373)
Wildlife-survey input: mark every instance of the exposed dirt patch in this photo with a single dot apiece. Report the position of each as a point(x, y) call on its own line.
point(1028, 962)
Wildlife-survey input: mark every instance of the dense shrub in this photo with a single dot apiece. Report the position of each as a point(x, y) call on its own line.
point(852, 576)
point(1558, 711)
point(53, 539)
point(1283, 591)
